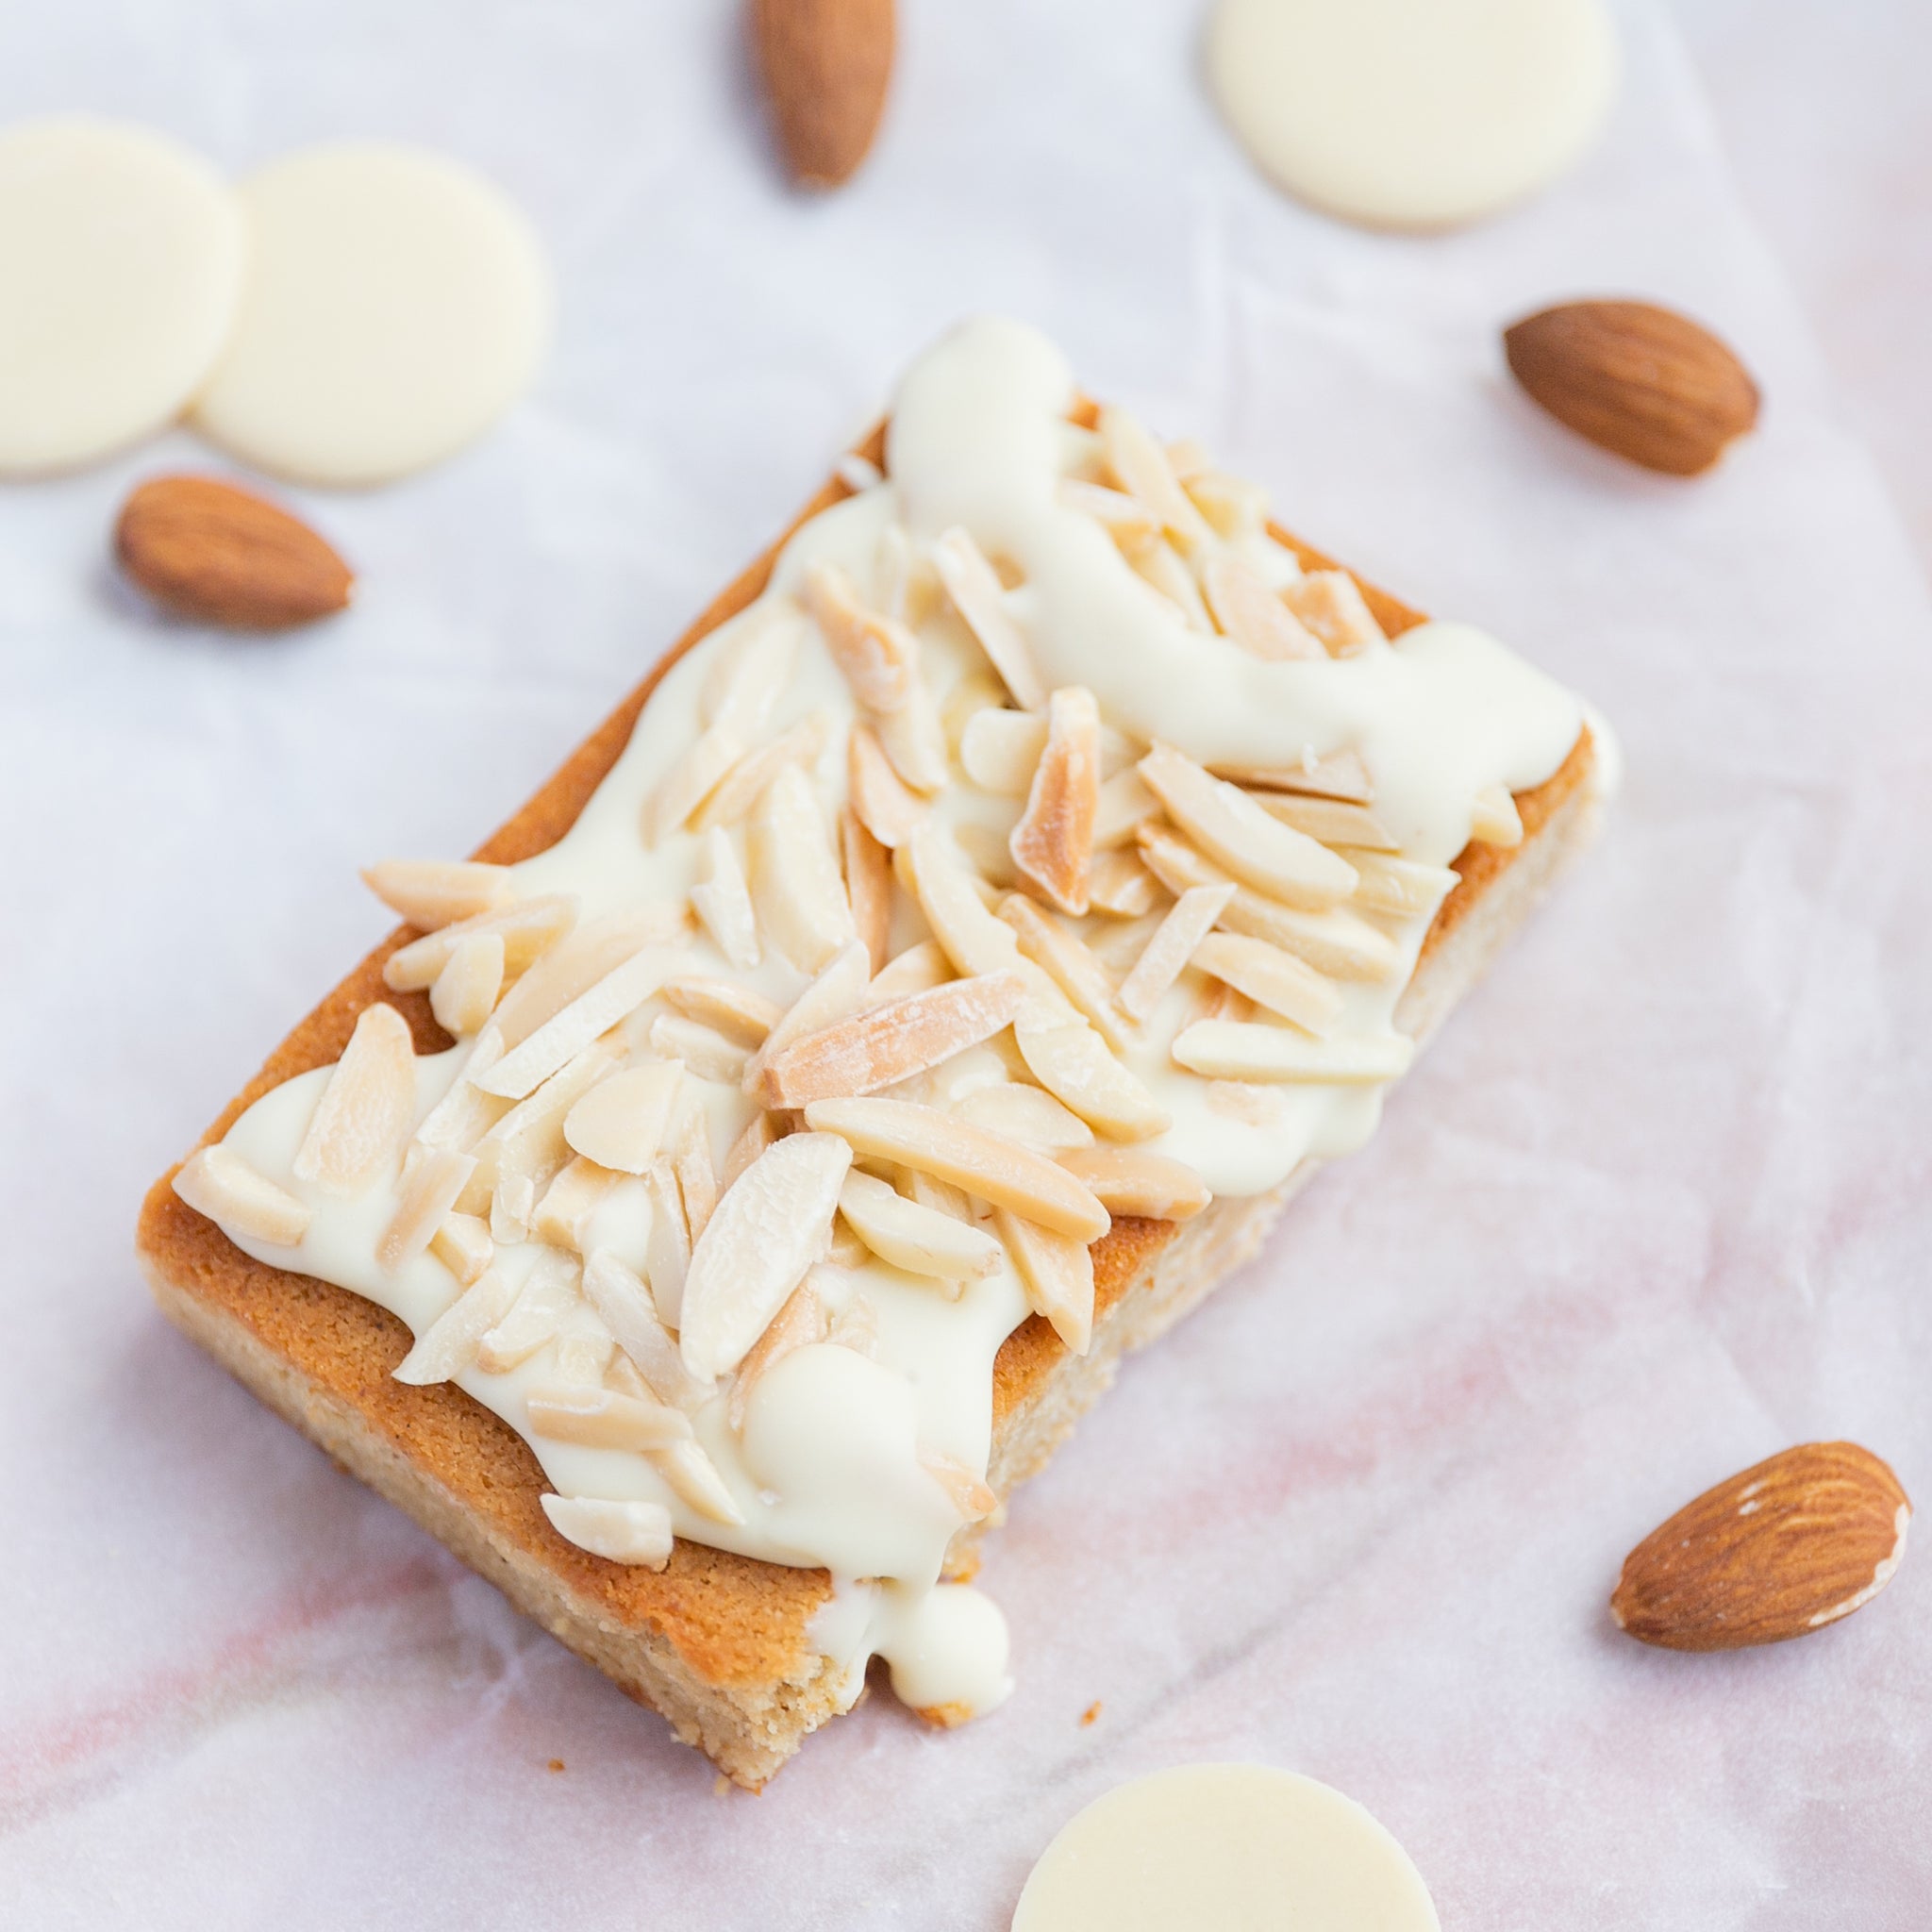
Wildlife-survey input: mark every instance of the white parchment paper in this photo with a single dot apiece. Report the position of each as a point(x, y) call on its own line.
point(1657, 1203)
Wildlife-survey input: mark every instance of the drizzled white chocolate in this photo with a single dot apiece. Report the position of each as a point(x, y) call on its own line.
point(774, 1331)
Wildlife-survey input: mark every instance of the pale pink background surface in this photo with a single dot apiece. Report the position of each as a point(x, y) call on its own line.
point(1656, 1204)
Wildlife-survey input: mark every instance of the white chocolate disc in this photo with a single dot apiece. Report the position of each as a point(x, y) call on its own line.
point(120, 262)
point(395, 305)
point(1238, 1847)
point(1412, 113)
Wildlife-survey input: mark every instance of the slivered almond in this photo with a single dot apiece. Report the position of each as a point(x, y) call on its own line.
point(1234, 831)
point(876, 654)
point(1186, 457)
point(1188, 920)
point(1124, 803)
point(1252, 1105)
point(1403, 887)
point(667, 1248)
point(1253, 615)
point(1335, 943)
point(1272, 978)
point(702, 1051)
point(584, 1353)
point(1028, 1115)
point(838, 990)
point(569, 1202)
point(738, 790)
point(1072, 1061)
point(918, 969)
point(1140, 466)
point(433, 893)
point(921, 1239)
point(1125, 518)
point(892, 572)
point(529, 1139)
point(527, 929)
point(624, 1305)
point(1053, 841)
point(694, 1479)
point(602, 1418)
point(1229, 1050)
point(999, 749)
point(914, 740)
point(366, 1109)
point(1494, 818)
point(466, 989)
point(980, 600)
point(722, 901)
point(795, 884)
point(697, 1177)
point(690, 782)
point(577, 964)
point(1127, 1181)
point(218, 1182)
point(1120, 886)
point(967, 1493)
point(1330, 820)
point(856, 1326)
point(990, 858)
point(737, 1012)
point(549, 1293)
point(427, 1197)
point(759, 1132)
point(1057, 1272)
point(1330, 604)
point(797, 1324)
point(1159, 567)
point(973, 939)
point(767, 1231)
point(995, 1169)
point(867, 867)
point(749, 674)
point(1232, 506)
point(942, 1198)
point(447, 1348)
point(1341, 775)
point(512, 1201)
point(636, 1533)
point(890, 1043)
point(886, 808)
point(462, 1245)
point(566, 1033)
point(1068, 962)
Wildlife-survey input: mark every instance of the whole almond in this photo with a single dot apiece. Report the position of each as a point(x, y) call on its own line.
point(1792, 1543)
point(1641, 381)
point(826, 65)
point(206, 550)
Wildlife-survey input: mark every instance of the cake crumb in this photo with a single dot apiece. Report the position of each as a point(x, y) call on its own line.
point(720, 1785)
point(557, 1764)
point(1090, 1713)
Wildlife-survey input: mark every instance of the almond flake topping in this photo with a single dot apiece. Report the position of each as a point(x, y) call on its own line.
point(980, 600)
point(1057, 1275)
point(1128, 520)
point(690, 782)
point(1159, 566)
point(694, 1479)
point(795, 884)
point(690, 1160)
point(1494, 818)
point(1403, 887)
point(722, 901)
point(921, 1239)
point(967, 1493)
point(594, 1011)
point(1341, 775)
point(462, 1245)
point(767, 1231)
point(435, 892)
point(603, 1419)
point(1028, 1115)
point(1120, 886)
point(569, 1202)
point(1331, 605)
point(1188, 920)
point(630, 1532)
point(1272, 978)
point(528, 928)
point(1330, 820)
point(1128, 1180)
point(838, 989)
point(466, 989)
point(529, 1141)
point(868, 867)
point(1053, 841)
point(737, 1012)
point(1068, 962)
point(999, 749)
point(366, 1109)
point(447, 1348)
point(1233, 507)
point(1230, 1050)
point(1072, 1061)
point(759, 1132)
point(797, 1324)
point(1140, 467)
point(1124, 803)
point(749, 674)
point(886, 808)
point(1253, 616)
point(739, 789)
point(918, 969)
point(626, 1307)
point(575, 965)
point(218, 1182)
point(704, 1052)
point(877, 655)
point(667, 1249)
point(428, 1194)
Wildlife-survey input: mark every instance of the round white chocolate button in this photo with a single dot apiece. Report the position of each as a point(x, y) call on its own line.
point(396, 304)
point(122, 256)
point(1412, 113)
point(1238, 1847)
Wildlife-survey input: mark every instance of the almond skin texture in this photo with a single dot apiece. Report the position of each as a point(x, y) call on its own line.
point(1792, 1543)
point(825, 66)
point(209, 551)
point(1643, 382)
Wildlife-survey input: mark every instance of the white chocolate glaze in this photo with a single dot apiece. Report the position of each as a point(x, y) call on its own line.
point(833, 1464)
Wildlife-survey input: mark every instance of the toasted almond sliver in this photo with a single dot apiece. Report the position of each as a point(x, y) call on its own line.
point(1124, 803)
point(1057, 1274)
point(1128, 1180)
point(914, 740)
point(918, 969)
point(1227, 1050)
point(1159, 566)
point(921, 1239)
point(1330, 604)
point(603, 1419)
point(867, 867)
point(366, 1109)
point(466, 989)
point(621, 1532)
point(694, 1479)
point(667, 1248)
point(985, 1164)
point(1405, 887)
point(999, 749)
point(892, 572)
point(1253, 616)
point(972, 938)
point(549, 1293)
point(691, 1160)
point(431, 893)
point(1234, 831)
point(1140, 466)
point(980, 598)
point(1068, 962)
point(1028, 1115)
point(1188, 920)
point(529, 1139)
point(620, 1121)
point(448, 1346)
point(1494, 818)
point(1335, 943)
point(967, 1493)
point(569, 1202)
point(722, 901)
point(577, 964)
point(795, 884)
point(218, 1182)
point(626, 1307)
point(427, 1197)
point(528, 928)
point(1128, 520)
point(512, 1201)
point(747, 677)
point(462, 1245)
point(797, 1324)
point(759, 1132)
point(886, 808)
point(1233, 507)
point(838, 990)
point(767, 1231)
point(1272, 978)
point(565, 1034)
point(704, 1052)
point(1330, 820)
point(739, 789)
point(1053, 841)
point(885, 1045)
point(1072, 1063)
point(876, 654)
point(1341, 775)
point(1120, 886)
point(690, 782)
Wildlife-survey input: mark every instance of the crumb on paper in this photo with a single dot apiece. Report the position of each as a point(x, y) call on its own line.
point(1091, 1714)
point(557, 1764)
